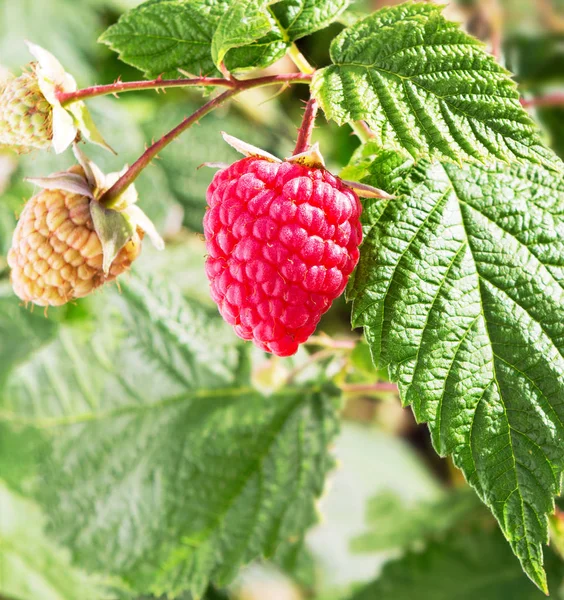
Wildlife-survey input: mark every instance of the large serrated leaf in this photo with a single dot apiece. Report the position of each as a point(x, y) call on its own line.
point(460, 289)
point(161, 464)
point(424, 85)
point(476, 564)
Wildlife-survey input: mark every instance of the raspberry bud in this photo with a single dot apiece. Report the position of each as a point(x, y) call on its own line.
point(282, 240)
point(56, 254)
point(31, 113)
point(26, 119)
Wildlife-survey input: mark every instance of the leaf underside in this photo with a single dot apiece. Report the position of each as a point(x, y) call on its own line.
point(424, 85)
point(460, 290)
point(160, 464)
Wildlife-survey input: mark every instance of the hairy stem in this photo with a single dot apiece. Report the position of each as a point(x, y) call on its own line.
point(300, 60)
point(66, 98)
point(111, 195)
point(306, 128)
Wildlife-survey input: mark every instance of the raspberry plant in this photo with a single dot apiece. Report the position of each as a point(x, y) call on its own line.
point(157, 453)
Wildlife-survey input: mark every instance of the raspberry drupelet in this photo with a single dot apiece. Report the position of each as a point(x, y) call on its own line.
point(282, 240)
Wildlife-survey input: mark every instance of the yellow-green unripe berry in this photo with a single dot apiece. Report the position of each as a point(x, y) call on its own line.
point(26, 117)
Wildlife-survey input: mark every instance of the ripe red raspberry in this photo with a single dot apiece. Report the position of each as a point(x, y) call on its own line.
point(282, 240)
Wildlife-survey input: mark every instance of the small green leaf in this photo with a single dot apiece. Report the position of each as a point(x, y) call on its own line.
point(424, 85)
point(162, 465)
point(244, 22)
point(460, 289)
point(161, 37)
point(298, 18)
point(468, 566)
point(114, 229)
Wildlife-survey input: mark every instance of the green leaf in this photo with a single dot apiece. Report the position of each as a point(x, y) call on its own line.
point(395, 525)
point(425, 85)
point(32, 567)
point(460, 289)
point(20, 331)
point(163, 36)
point(161, 464)
point(473, 565)
point(243, 23)
point(299, 18)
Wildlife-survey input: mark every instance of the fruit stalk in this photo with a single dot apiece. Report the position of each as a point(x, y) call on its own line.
point(360, 128)
point(152, 151)
point(300, 60)
point(306, 128)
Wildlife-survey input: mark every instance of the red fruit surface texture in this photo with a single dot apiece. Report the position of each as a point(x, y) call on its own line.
point(282, 240)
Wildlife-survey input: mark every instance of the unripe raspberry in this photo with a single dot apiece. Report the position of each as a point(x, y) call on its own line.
point(282, 241)
point(56, 254)
point(32, 114)
point(26, 117)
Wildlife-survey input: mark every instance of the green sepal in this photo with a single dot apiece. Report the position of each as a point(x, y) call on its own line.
point(114, 230)
point(85, 124)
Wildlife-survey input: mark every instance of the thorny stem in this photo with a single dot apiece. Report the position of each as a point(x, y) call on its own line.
point(306, 128)
point(143, 161)
point(236, 86)
point(66, 98)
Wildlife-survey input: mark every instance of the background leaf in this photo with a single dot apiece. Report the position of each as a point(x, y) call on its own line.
point(298, 18)
point(159, 37)
point(31, 566)
point(423, 84)
point(460, 291)
point(395, 525)
point(473, 565)
point(160, 463)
